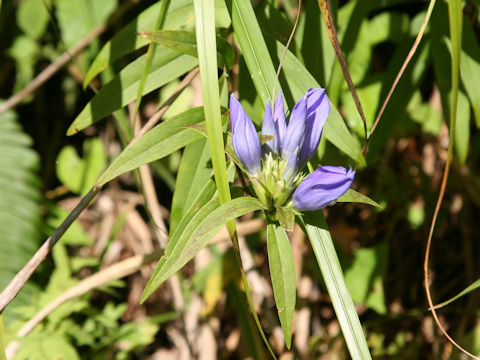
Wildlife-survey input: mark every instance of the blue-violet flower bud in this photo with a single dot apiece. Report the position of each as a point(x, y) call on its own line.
point(320, 188)
point(246, 142)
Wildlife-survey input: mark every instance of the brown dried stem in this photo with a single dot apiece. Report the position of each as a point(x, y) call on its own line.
point(332, 34)
point(51, 69)
point(404, 66)
point(20, 279)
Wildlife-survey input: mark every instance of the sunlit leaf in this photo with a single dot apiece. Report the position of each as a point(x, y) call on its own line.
point(282, 272)
point(195, 236)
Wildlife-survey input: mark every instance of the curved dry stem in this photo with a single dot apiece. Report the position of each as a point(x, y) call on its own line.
point(332, 34)
point(455, 25)
point(402, 69)
point(426, 277)
point(51, 69)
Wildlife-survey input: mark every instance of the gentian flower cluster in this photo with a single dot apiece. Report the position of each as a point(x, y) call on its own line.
point(274, 168)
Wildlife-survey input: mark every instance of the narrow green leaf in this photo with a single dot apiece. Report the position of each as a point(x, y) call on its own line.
point(299, 80)
point(167, 66)
point(462, 128)
point(470, 68)
point(354, 196)
point(204, 195)
point(185, 41)
point(248, 36)
point(207, 60)
point(327, 259)
point(455, 15)
point(206, 43)
point(193, 174)
point(179, 15)
point(475, 285)
point(195, 236)
point(159, 142)
point(282, 272)
point(149, 59)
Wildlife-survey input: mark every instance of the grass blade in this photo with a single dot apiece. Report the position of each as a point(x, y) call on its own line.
point(322, 244)
point(207, 60)
point(206, 47)
point(248, 36)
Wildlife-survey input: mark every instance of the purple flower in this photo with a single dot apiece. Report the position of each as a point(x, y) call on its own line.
point(298, 141)
point(246, 142)
point(320, 188)
point(318, 109)
point(274, 125)
point(275, 175)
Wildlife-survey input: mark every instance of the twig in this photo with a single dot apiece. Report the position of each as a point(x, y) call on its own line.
point(113, 272)
point(404, 66)
point(332, 34)
point(16, 284)
point(51, 69)
point(151, 199)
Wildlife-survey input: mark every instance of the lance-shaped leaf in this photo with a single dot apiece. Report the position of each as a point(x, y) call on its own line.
point(194, 172)
point(249, 37)
point(356, 197)
point(179, 15)
point(159, 142)
point(122, 89)
point(282, 273)
point(192, 238)
point(185, 41)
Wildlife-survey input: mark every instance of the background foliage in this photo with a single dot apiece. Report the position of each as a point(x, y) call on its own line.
point(201, 311)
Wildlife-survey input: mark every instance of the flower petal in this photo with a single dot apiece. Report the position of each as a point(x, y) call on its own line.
point(295, 132)
point(246, 142)
point(236, 110)
point(279, 120)
point(274, 125)
point(318, 109)
point(268, 128)
point(320, 188)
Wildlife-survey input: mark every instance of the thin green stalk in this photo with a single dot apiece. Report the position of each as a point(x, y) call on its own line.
point(207, 60)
